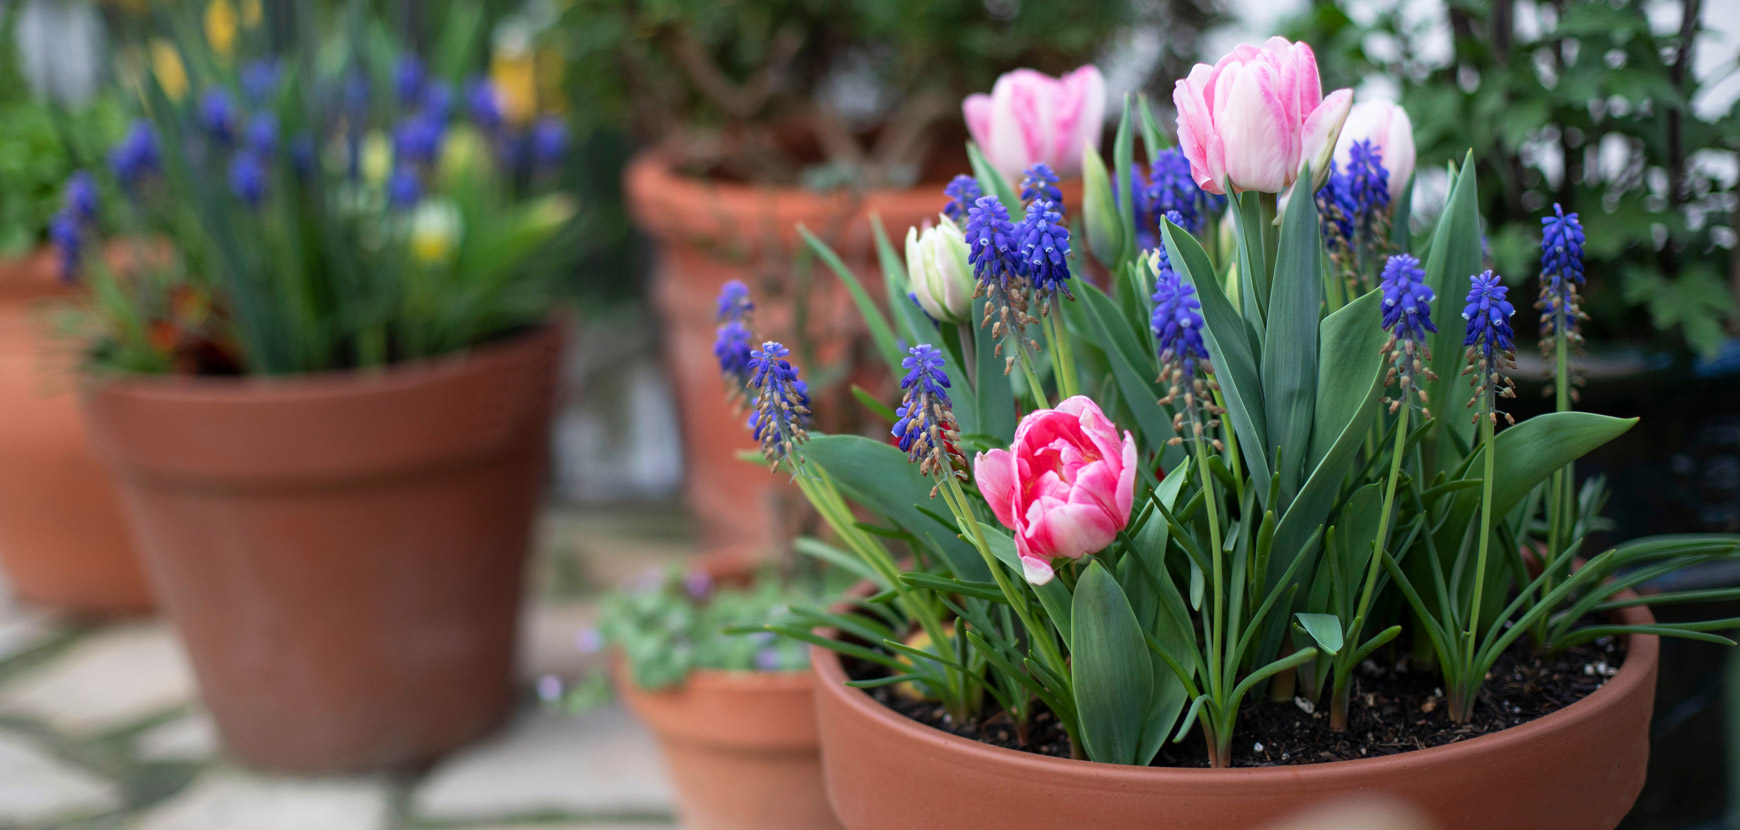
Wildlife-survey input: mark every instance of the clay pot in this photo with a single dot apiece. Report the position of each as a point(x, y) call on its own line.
point(342, 553)
point(1579, 768)
point(710, 233)
point(740, 748)
point(62, 539)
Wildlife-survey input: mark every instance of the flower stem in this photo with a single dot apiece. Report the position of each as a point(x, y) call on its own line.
point(1350, 643)
point(1218, 684)
point(1067, 385)
point(1033, 383)
point(1486, 434)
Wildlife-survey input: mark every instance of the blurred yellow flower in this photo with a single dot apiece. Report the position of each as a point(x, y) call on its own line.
point(513, 69)
point(464, 155)
point(166, 65)
point(251, 13)
point(435, 230)
point(377, 157)
point(220, 27)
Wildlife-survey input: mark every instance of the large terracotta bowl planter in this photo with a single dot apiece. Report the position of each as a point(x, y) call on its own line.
point(710, 233)
point(1579, 768)
point(63, 541)
point(740, 747)
point(343, 553)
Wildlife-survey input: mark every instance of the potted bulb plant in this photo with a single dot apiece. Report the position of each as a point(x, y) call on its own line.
point(1259, 540)
point(329, 413)
point(784, 114)
point(733, 710)
point(62, 540)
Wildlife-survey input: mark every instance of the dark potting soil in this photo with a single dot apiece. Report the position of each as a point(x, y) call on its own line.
point(1394, 709)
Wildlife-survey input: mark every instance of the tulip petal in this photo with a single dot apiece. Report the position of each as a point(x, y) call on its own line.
point(976, 109)
point(1036, 571)
point(1322, 128)
point(994, 472)
point(1247, 108)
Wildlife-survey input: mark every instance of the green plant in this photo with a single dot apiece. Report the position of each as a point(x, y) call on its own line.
point(1584, 103)
point(1275, 513)
point(328, 206)
point(828, 94)
point(680, 622)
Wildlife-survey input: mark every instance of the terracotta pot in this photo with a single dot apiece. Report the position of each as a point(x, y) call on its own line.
point(710, 233)
point(740, 748)
point(1579, 768)
point(62, 539)
point(343, 553)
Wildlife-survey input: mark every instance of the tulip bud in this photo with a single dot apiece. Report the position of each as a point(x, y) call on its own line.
point(1389, 129)
point(936, 262)
point(1105, 228)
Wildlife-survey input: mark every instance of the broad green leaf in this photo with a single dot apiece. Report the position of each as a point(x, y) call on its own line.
point(1453, 258)
point(880, 333)
point(1325, 629)
point(1153, 138)
point(1133, 367)
point(994, 398)
point(1290, 343)
point(1229, 341)
point(880, 477)
point(1123, 158)
point(1110, 671)
point(1253, 261)
point(1355, 535)
point(1352, 339)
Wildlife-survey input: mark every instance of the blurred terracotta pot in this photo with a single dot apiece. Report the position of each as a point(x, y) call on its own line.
point(712, 232)
point(62, 539)
point(1579, 768)
point(343, 553)
point(740, 748)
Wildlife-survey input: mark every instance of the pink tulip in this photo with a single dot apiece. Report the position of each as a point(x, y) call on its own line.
point(1253, 120)
point(1031, 117)
point(1065, 486)
point(1390, 130)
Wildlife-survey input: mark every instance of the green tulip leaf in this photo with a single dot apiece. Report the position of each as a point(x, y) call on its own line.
point(1325, 629)
point(1111, 671)
point(880, 477)
point(1290, 343)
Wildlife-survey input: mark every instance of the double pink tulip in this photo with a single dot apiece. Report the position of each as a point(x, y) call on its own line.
point(1064, 487)
point(1253, 120)
point(1031, 117)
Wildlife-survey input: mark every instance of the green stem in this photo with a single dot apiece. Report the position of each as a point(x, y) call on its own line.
point(1017, 601)
point(1033, 384)
point(1218, 684)
point(1486, 431)
point(1068, 387)
point(1350, 643)
point(1559, 506)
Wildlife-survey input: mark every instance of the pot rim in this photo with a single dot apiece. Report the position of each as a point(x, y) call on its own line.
point(657, 163)
point(327, 382)
point(1642, 651)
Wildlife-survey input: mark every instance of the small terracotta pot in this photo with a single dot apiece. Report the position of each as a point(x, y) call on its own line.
point(62, 539)
point(710, 233)
point(1579, 768)
point(343, 553)
point(740, 748)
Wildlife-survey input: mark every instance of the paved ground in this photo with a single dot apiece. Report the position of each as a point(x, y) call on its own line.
point(100, 725)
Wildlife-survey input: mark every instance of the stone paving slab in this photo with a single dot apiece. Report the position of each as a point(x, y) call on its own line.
point(38, 790)
point(235, 800)
point(549, 640)
point(598, 764)
point(114, 678)
point(22, 626)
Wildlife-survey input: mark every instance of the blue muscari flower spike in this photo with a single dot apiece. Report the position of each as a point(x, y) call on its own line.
point(217, 115)
point(991, 243)
point(1369, 185)
point(1162, 259)
point(733, 303)
point(1177, 326)
point(925, 421)
point(1335, 204)
point(437, 100)
point(1562, 277)
point(963, 191)
point(1171, 188)
point(1044, 244)
point(549, 141)
point(404, 188)
point(779, 421)
point(1039, 183)
point(410, 76)
point(260, 80)
point(484, 105)
point(417, 141)
point(263, 134)
point(248, 178)
point(136, 156)
point(1490, 342)
point(81, 196)
point(67, 234)
point(1407, 316)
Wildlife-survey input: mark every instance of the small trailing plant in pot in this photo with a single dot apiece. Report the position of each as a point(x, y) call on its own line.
point(1253, 500)
point(777, 113)
point(732, 704)
point(358, 246)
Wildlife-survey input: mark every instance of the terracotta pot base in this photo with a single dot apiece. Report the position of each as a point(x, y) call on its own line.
point(342, 553)
point(1579, 768)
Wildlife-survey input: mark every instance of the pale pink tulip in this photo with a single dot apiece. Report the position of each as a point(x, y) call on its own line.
point(1254, 119)
point(1031, 117)
point(1065, 486)
point(1390, 130)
